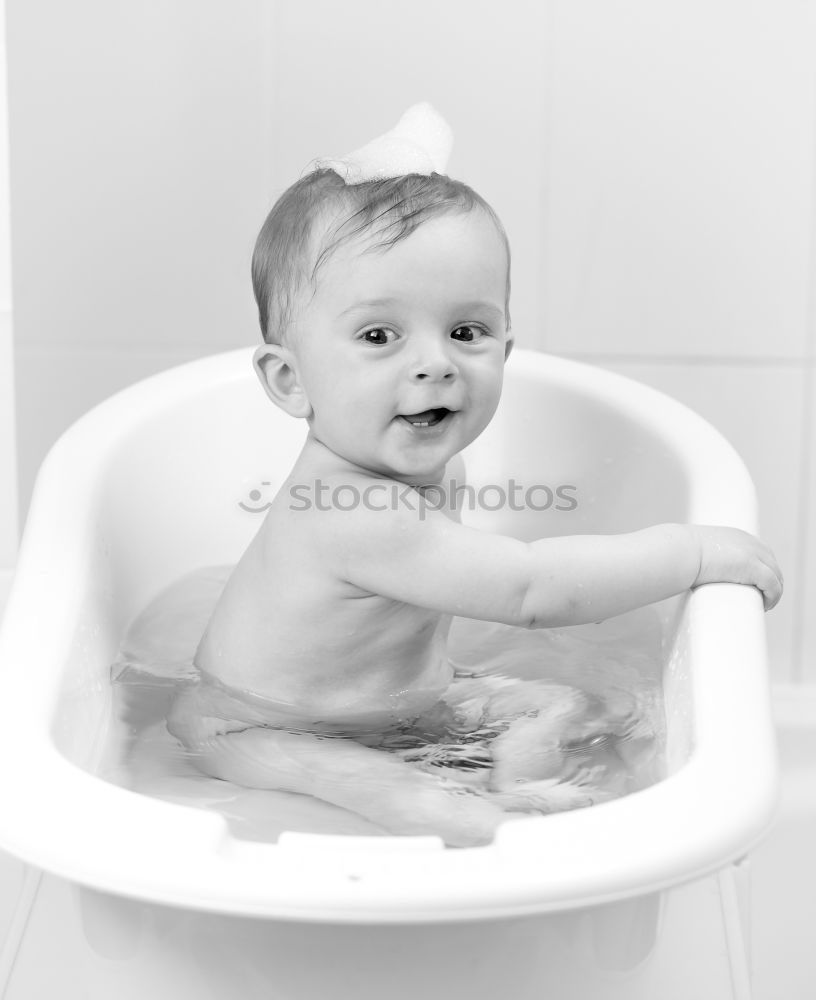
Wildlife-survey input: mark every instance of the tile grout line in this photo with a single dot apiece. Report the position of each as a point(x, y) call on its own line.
point(691, 360)
point(797, 666)
point(545, 146)
point(803, 519)
point(270, 25)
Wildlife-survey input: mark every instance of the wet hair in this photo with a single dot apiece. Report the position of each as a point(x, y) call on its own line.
point(320, 212)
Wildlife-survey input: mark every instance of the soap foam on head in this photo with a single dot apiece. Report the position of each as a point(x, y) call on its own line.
point(420, 143)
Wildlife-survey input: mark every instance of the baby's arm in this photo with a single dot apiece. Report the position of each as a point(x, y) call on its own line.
point(611, 574)
point(438, 564)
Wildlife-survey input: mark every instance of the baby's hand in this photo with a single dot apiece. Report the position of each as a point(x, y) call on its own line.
point(728, 555)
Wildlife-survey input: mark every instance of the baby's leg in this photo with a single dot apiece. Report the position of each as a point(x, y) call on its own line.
point(566, 748)
point(542, 717)
point(526, 722)
point(537, 722)
point(377, 785)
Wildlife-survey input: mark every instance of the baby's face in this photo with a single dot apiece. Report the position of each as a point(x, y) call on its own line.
point(401, 351)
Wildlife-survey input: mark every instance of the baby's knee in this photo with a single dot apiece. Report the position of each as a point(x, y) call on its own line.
point(555, 705)
point(191, 721)
point(181, 716)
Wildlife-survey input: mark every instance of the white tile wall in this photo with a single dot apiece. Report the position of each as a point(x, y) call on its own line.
point(805, 663)
point(136, 171)
point(681, 154)
point(12, 871)
point(8, 448)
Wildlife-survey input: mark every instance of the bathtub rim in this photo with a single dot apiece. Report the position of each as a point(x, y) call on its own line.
point(356, 878)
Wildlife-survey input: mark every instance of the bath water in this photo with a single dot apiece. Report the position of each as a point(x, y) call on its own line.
point(604, 677)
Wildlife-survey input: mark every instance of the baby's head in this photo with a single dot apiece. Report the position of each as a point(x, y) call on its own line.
point(384, 309)
point(322, 213)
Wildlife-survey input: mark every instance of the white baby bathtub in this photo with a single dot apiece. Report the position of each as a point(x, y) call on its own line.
point(148, 486)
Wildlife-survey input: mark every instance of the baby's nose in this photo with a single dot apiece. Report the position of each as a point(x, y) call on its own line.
point(434, 363)
point(433, 374)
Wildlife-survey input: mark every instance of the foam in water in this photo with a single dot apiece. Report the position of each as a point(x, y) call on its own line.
point(599, 683)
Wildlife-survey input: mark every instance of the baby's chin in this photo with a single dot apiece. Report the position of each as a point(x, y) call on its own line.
point(429, 477)
point(414, 466)
point(410, 473)
point(414, 473)
point(420, 469)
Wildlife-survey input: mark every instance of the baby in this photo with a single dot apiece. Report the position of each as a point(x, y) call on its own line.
point(383, 302)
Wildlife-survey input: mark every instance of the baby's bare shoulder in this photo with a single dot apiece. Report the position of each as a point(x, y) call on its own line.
point(368, 509)
point(336, 514)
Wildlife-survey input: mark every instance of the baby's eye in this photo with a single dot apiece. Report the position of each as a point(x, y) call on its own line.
point(378, 336)
point(467, 333)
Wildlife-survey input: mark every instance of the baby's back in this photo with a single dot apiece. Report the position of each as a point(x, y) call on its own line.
point(292, 629)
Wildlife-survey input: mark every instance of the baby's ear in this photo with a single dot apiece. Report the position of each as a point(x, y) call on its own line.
point(277, 369)
point(508, 347)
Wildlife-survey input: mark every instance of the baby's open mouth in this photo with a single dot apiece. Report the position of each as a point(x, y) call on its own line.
point(428, 418)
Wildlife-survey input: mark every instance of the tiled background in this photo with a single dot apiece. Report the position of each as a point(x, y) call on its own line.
point(653, 163)
point(8, 480)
